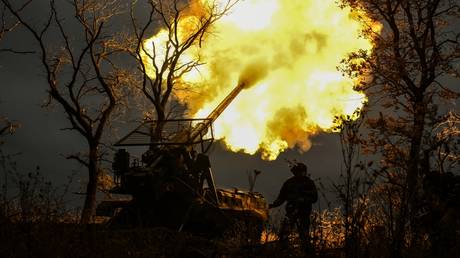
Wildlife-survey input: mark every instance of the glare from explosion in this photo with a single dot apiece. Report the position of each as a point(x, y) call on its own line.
point(287, 53)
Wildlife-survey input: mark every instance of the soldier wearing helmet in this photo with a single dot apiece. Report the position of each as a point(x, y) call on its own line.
point(299, 192)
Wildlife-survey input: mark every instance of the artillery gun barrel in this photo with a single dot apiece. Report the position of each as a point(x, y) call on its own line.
point(201, 128)
point(224, 104)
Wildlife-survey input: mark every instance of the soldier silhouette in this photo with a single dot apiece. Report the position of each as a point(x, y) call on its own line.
point(299, 192)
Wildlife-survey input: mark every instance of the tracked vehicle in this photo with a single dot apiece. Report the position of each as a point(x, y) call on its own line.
point(167, 186)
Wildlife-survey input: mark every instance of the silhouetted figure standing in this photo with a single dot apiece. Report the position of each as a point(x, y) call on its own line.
point(299, 192)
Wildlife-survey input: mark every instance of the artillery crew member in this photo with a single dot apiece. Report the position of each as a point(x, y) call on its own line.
point(299, 192)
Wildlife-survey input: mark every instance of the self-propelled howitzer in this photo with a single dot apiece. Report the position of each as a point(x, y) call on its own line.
point(167, 185)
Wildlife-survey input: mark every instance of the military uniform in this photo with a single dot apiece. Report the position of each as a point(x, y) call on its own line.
point(299, 192)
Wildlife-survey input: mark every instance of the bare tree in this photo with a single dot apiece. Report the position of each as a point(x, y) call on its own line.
point(416, 53)
point(354, 185)
point(166, 65)
point(82, 74)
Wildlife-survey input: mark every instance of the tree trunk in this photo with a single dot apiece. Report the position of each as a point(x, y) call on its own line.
point(157, 128)
point(409, 200)
point(415, 146)
point(89, 207)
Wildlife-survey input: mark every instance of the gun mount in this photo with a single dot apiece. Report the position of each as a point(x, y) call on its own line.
point(167, 185)
point(188, 132)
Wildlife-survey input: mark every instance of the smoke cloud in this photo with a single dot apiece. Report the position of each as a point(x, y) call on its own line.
point(286, 53)
point(253, 73)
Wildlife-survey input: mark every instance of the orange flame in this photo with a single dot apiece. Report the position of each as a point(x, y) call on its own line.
point(290, 51)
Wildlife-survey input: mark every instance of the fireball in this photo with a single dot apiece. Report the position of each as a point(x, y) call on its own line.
point(290, 51)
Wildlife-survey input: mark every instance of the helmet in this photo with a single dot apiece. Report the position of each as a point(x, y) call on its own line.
point(299, 169)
